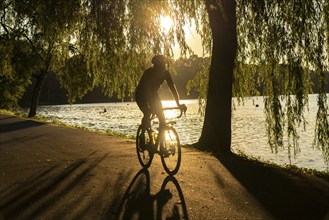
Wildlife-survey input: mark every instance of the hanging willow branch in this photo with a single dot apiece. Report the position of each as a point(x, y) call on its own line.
point(285, 42)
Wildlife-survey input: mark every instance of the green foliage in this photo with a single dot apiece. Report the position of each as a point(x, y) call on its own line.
point(321, 139)
point(200, 83)
point(40, 30)
point(185, 70)
point(281, 43)
point(75, 78)
point(115, 39)
point(15, 69)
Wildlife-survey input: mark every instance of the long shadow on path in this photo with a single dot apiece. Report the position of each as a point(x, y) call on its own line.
point(286, 195)
point(52, 192)
point(8, 125)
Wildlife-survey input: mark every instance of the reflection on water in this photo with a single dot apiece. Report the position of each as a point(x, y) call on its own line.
point(248, 126)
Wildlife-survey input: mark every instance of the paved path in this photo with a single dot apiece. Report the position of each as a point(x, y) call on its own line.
point(51, 172)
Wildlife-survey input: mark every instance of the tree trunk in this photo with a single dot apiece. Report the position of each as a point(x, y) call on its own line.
point(216, 132)
point(36, 93)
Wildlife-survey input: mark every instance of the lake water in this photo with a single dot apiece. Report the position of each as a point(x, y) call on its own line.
point(248, 127)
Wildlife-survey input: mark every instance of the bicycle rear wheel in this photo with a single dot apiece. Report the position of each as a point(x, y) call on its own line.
point(144, 147)
point(170, 150)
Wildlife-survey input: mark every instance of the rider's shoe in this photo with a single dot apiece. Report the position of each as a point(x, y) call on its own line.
point(164, 152)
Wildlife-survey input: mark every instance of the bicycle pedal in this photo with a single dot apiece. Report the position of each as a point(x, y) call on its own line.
point(165, 153)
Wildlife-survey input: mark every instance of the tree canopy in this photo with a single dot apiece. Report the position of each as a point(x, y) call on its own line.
point(108, 43)
point(108, 38)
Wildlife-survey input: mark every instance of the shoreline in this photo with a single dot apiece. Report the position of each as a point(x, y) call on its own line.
point(263, 162)
point(248, 129)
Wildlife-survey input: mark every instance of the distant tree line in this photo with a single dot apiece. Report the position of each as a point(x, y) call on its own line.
point(184, 72)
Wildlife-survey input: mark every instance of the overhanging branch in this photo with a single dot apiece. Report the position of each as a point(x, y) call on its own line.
point(9, 30)
point(3, 18)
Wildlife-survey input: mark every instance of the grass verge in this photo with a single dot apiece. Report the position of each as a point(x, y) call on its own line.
point(55, 122)
point(290, 168)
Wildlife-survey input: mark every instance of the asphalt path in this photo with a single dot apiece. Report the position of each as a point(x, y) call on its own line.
point(53, 172)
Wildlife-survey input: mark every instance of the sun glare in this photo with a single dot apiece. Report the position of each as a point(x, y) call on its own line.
point(170, 114)
point(166, 23)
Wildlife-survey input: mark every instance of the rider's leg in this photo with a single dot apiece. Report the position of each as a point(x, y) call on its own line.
point(156, 107)
point(162, 119)
point(144, 107)
point(146, 122)
point(145, 125)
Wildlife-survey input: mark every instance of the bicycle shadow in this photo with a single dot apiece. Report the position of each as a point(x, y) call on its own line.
point(139, 203)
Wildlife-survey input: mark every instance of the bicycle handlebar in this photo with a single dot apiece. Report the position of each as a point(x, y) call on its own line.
point(182, 110)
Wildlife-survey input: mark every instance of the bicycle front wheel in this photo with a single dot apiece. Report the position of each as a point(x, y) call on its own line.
point(144, 147)
point(170, 150)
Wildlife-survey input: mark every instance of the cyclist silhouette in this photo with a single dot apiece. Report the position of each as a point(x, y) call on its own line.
point(147, 97)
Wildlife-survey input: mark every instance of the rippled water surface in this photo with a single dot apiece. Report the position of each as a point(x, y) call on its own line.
point(248, 127)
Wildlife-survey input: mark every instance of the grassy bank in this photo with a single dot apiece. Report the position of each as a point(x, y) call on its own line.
point(55, 122)
point(259, 161)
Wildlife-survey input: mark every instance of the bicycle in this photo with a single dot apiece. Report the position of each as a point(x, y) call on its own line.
point(164, 142)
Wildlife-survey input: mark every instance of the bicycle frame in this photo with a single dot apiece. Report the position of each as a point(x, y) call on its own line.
point(166, 144)
point(158, 138)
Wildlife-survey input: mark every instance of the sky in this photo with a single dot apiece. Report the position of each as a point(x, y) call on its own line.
point(192, 37)
point(193, 40)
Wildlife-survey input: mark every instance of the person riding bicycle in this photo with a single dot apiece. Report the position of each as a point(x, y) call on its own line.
point(146, 94)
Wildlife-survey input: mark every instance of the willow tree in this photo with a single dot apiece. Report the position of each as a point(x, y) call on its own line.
point(216, 131)
point(275, 45)
point(17, 63)
point(42, 27)
point(108, 43)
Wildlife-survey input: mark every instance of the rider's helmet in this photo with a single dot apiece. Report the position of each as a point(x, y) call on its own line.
point(159, 60)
